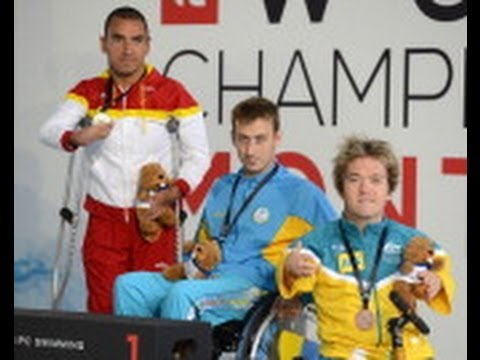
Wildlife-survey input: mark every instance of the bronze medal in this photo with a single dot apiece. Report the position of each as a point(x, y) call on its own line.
point(364, 319)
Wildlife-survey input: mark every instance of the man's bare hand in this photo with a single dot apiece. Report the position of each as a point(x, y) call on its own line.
point(162, 200)
point(89, 134)
point(300, 262)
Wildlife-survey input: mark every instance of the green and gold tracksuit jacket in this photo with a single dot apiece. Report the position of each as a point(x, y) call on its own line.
point(336, 292)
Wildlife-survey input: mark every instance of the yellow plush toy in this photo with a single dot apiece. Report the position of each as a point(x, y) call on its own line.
point(417, 257)
point(152, 179)
point(204, 256)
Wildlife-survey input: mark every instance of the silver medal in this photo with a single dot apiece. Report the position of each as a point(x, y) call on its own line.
point(101, 118)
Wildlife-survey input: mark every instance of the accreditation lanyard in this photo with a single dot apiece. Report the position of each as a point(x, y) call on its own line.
point(227, 225)
point(109, 100)
point(364, 290)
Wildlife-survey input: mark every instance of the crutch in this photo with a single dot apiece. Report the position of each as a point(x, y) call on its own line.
point(69, 221)
point(172, 128)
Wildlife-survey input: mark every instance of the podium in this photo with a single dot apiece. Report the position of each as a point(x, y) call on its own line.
point(51, 335)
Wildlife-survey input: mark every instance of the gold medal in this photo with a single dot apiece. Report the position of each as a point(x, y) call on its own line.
point(101, 118)
point(364, 319)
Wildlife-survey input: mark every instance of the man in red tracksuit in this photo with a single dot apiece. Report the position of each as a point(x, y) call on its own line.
point(129, 105)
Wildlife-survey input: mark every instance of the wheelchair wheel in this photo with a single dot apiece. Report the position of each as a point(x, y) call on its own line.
point(257, 324)
point(259, 338)
point(233, 335)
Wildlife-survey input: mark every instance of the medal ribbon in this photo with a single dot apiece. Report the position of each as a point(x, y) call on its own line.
point(364, 292)
point(109, 100)
point(227, 225)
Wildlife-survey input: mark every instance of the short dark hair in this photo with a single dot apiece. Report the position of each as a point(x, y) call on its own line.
point(125, 12)
point(253, 108)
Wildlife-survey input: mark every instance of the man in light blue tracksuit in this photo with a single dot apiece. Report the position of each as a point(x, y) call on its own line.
point(254, 213)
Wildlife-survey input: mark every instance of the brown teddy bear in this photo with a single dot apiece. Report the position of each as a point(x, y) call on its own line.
point(417, 257)
point(152, 179)
point(204, 256)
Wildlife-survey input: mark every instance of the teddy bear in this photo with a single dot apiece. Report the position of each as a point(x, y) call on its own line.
point(417, 256)
point(152, 179)
point(204, 256)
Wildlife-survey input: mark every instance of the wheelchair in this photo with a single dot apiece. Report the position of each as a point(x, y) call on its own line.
point(255, 337)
